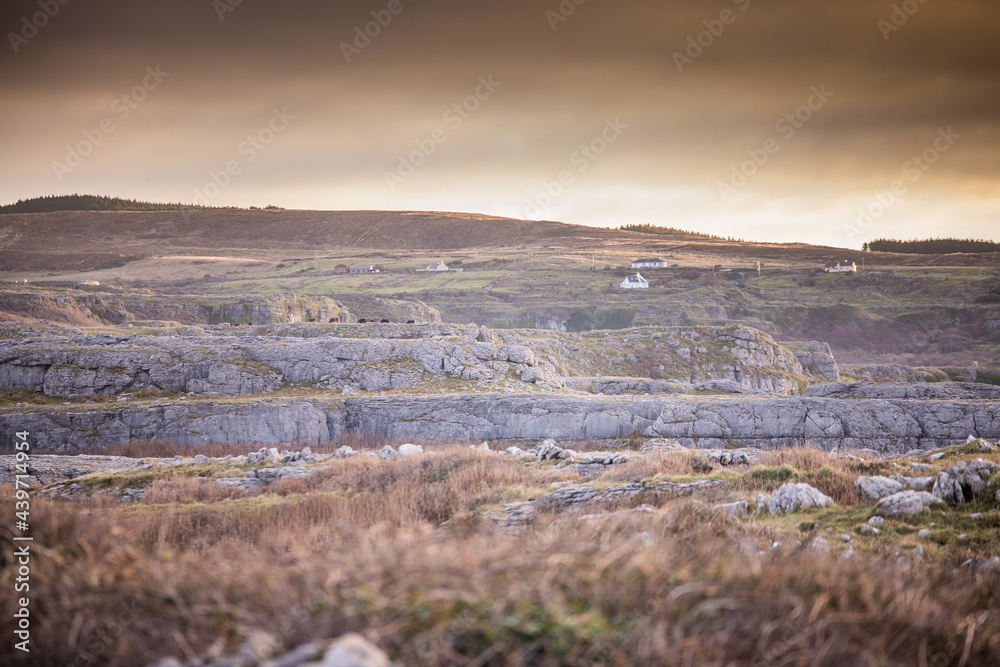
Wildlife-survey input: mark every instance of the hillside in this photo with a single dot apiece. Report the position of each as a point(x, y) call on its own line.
point(86, 240)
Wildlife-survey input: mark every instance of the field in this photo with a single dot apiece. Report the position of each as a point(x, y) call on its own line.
point(410, 553)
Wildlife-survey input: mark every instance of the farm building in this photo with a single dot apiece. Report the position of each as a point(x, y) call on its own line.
point(341, 269)
point(655, 263)
point(635, 282)
point(840, 267)
point(362, 268)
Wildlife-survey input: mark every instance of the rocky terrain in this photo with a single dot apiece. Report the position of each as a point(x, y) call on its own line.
point(311, 383)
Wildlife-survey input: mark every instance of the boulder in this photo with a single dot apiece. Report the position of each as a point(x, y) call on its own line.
point(388, 453)
point(963, 480)
point(353, 650)
point(795, 497)
point(906, 502)
point(409, 449)
point(875, 488)
point(738, 508)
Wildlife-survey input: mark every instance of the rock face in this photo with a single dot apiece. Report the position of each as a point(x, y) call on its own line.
point(715, 422)
point(816, 359)
point(238, 363)
point(936, 391)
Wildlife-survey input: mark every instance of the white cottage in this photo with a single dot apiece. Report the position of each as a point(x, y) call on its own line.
point(635, 282)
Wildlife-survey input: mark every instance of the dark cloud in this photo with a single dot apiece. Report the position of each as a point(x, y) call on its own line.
point(686, 130)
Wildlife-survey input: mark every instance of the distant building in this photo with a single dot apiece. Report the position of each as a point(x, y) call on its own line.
point(437, 266)
point(362, 268)
point(655, 263)
point(635, 282)
point(840, 267)
point(341, 269)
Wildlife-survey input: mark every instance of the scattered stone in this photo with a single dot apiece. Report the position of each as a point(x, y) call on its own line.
point(845, 537)
point(738, 508)
point(976, 517)
point(875, 488)
point(820, 543)
point(410, 449)
point(982, 564)
point(876, 521)
point(344, 452)
point(514, 451)
point(906, 502)
point(353, 650)
point(796, 497)
point(871, 531)
point(935, 457)
point(662, 444)
point(963, 480)
point(485, 447)
point(201, 458)
point(549, 451)
point(923, 533)
point(388, 453)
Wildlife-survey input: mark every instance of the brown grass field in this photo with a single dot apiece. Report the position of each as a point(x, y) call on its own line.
point(405, 552)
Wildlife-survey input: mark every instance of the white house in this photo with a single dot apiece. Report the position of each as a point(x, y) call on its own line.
point(840, 267)
point(655, 263)
point(437, 266)
point(635, 282)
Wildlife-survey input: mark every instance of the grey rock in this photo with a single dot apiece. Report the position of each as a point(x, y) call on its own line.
point(875, 488)
point(906, 502)
point(871, 531)
point(353, 650)
point(738, 508)
point(963, 480)
point(876, 521)
point(982, 564)
point(409, 449)
point(796, 497)
point(388, 453)
point(923, 533)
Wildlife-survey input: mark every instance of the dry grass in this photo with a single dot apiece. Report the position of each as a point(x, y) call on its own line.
point(401, 551)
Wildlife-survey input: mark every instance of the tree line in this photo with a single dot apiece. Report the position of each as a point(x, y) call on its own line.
point(55, 203)
point(932, 246)
point(673, 231)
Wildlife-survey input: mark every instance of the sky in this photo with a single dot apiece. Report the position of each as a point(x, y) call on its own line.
point(789, 120)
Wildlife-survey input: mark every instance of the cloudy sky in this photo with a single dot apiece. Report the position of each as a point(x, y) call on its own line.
point(824, 122)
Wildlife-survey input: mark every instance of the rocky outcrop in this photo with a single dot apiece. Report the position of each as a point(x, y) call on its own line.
point(882, 425)
point(715, 422)
point(126, 305)
point(936, 391)
point(199, 362)
point(816, 359)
